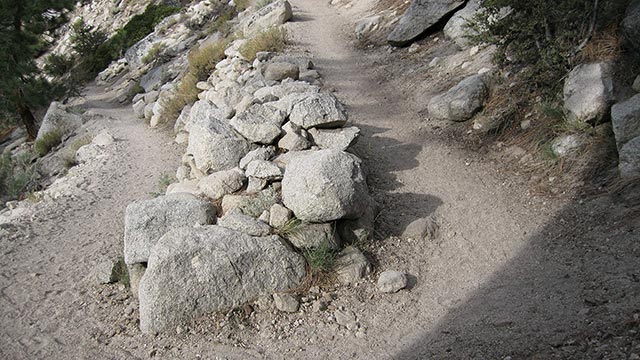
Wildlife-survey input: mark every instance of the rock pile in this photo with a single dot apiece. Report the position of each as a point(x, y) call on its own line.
point(268, 144)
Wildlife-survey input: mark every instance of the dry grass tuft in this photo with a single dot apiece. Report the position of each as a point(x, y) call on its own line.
point(202, 62)
point(274, 39)
point(604, 46)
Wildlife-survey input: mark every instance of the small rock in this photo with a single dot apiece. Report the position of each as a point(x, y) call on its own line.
point(222, 183)
point(278, 71)
point(286, 302)
point(261, 153)
point(422, 229)
point(263, 169)
point(105, 272)
point(237, 221)
point(264, 217)
point(256, 184)
point(346, 318)
point(351, 266)
point(103, 139)
point(318, 306)
point(314, 235)
point(279, 216)
point(340, 139)
point(566, 144)
point(392, 281)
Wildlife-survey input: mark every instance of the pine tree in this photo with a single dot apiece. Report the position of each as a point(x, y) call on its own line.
point(22, 24)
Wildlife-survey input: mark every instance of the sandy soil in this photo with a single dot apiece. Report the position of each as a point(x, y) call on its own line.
point(510, 276)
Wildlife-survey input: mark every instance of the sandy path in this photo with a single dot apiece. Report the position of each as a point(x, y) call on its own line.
point(47, 308)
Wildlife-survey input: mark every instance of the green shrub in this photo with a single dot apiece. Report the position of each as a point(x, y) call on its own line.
point(273, 39)
point(57, 65)
point(136, 29)
point(69, 155)
point(86, 39)
point(543, 36)
point(320, 258)
point(154, 53)
point(17, 175)
point(47, 142)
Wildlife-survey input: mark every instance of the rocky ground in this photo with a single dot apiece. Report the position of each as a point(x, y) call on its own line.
point(508, 275)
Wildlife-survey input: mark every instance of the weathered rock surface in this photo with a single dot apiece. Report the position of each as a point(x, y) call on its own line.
point(236, 220)
point(261, 153)
point(222, 183)
point(263, 169)
point(275, 13)
point(148, 220)
point(58, 120)
point(195, 271)
point(457, 27)
point(279, 216)
point(318, 110)
point(212, 141)
point(325, 185)
point(391, 281)
point(631, 24)
point(625, 117)
point(461, 102)
point(307, 236)
point(259, 123)
point(339, 139)
point(367, 25)
point(588, 92)
point(286, 302)
point(566, 144)
point(421, 229)
point(351, 266)
point(293, 140)
point(629, 157)
point(419, 17)
point(278, 71)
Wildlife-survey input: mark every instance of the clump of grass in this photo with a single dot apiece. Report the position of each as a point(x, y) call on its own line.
point(320, 258)
point(17, 175)
point(273, 39)
point(290, 227)
point(163, 183)
point(47, 142)
point(202, 62)
point(256, 205)
point(153, 53)
point(262, 3)
point(222, 23)
point(69, 155)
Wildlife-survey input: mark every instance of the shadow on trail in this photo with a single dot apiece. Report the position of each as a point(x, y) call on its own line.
point(572, 292)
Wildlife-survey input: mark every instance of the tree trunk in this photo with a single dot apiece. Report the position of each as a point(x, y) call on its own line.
point(27, 117)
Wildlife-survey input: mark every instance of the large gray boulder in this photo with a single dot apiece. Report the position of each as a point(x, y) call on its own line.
point(318, 110)
point(325, 185)
point(588, 92)
point(629, 156)
point(419, 17)
point(631, 24)
point(147, 221)
point(259, 124)
point(196, 271)
point(212, 141)
point(461, 102)
point(58, 120)
point(625, 117)
point(273, 14)
point(457, 28)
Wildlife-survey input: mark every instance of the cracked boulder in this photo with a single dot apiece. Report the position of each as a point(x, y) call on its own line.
point(148, 220)
point(325, 185)
point(197, 271)
point(212, 141)
point(260, 124)
point(419, 17)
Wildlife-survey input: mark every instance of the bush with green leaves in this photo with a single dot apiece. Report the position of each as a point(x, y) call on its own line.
point(544, 37)
point(136, 29)
point(57, 65)
point(17, 175)
point(86, 39)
